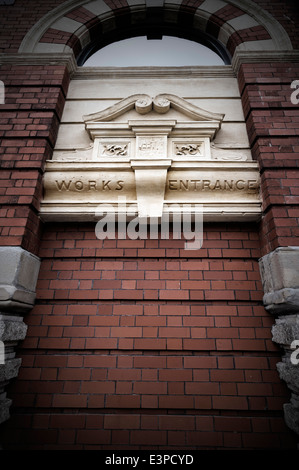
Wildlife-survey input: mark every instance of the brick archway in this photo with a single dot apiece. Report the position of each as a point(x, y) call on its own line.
point(222, 26)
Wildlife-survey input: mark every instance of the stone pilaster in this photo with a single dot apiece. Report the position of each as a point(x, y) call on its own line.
point(18, 276)
point(280, 277)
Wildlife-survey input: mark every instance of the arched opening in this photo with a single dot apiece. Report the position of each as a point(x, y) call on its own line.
point(207, 42)
point(168, 51)
point(85, 26)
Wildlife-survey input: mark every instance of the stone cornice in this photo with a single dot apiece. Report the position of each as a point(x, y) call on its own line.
point(250, 57)
point(53, 58)
point(89, 73)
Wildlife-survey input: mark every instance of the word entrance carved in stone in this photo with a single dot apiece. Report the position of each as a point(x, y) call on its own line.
point(152, 152)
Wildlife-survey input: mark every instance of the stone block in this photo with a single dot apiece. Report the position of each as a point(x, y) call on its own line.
point(4, 409)
point(291, 415)
point(286, 330)
point(18, 276)
point(10, 369)
point(12, 330)
point(290, 374)
point(280, 277)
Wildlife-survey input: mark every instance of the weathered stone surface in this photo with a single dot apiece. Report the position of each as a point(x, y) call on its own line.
point(286, 330)
point(282, 301)
point(18, 276)
point(12, 330)
point(291, 415)
point(290, 374)
point(280, 277)
point(10, 369)
point(4, 409)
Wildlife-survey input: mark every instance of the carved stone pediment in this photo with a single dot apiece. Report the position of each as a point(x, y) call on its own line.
point(156, 152)
point(144, 104)
point(143, 127)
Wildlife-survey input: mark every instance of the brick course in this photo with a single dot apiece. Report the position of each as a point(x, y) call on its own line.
point(30, 117)
point(147, 370)
point(272, 124)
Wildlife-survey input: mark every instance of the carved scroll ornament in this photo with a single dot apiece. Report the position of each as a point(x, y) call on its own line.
point(115, 150)
point(143, 104)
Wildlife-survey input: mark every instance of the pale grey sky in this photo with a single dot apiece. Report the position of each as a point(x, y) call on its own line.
point(170, 51)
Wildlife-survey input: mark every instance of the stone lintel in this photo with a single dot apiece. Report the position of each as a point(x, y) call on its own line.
point(74, 190)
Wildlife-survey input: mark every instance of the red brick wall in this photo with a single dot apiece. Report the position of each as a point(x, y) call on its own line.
point(286, 13)
point(29, 121)
point(272, 124)
point(137, 344)
point(17, 19)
